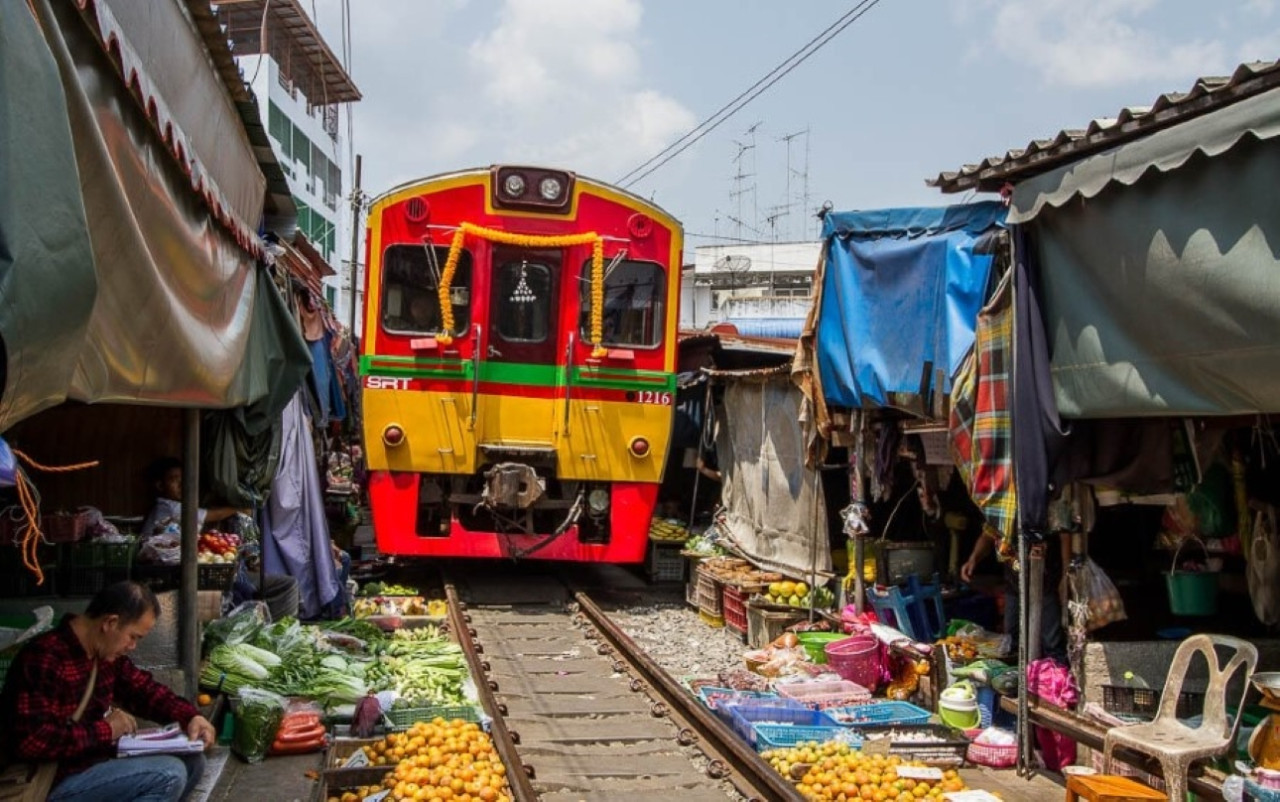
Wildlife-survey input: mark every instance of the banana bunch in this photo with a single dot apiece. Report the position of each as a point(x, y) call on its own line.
point(668, 531)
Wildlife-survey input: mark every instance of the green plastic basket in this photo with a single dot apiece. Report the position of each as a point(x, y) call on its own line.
point(402, 718)
point(815, 644)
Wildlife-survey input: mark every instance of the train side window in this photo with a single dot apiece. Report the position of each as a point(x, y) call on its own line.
point(523, 307)
point(635, 296)
point(411, 289)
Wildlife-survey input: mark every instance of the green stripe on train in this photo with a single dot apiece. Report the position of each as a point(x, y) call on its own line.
point(516, 373)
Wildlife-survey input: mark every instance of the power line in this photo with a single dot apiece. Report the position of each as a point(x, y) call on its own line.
point(751, 93)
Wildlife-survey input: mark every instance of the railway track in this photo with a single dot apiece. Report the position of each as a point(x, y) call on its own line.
point(581, 715)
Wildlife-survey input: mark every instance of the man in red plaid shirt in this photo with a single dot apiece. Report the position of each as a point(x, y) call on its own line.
point(45, 686)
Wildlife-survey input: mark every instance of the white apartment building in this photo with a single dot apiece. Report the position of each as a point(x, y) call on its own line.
point(763, 289)
point(302, 91)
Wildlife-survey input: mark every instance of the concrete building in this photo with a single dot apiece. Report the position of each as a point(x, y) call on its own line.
point(302, 91)
point(762, 289)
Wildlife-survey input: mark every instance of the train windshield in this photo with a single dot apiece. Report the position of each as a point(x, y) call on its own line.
point(523, 300)
point(411, 289)
point(634, 304)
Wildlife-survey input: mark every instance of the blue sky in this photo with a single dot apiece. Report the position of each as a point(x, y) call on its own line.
point(911, 89)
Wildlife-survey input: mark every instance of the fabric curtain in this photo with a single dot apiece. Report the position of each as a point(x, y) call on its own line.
point(774, 506)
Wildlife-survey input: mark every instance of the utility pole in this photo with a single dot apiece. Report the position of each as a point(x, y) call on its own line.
point(357, 201)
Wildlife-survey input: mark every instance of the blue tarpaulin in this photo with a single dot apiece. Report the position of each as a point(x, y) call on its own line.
point(900, 296)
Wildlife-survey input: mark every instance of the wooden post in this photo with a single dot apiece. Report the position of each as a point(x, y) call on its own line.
point(188, 593)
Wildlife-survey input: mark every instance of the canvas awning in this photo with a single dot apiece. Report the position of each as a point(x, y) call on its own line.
point(1209, 135)
point(159, 303)
point(1160, 271)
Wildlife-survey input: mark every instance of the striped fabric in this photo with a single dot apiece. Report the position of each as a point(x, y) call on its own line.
point(981, 424)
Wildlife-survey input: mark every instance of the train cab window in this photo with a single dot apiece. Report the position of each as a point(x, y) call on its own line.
point(634, 304)
point(523, 301)
point(411, 289)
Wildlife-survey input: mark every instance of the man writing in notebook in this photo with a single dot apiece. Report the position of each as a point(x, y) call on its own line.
point(71, 694)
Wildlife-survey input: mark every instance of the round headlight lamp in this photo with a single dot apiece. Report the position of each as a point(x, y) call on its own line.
point(550, 188)
point(513, 185)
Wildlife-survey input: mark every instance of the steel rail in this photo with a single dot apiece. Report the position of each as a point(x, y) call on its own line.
point(522, 789)
point(750, 773)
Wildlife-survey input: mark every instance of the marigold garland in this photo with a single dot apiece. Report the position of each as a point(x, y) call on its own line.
point(526, 241)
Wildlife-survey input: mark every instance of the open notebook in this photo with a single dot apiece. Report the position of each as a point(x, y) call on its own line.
point(166, 740)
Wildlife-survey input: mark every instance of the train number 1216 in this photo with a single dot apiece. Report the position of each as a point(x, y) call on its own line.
point(653, 397)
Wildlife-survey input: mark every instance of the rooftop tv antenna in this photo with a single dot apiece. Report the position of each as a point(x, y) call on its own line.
point(803, 174)
point(741, 174)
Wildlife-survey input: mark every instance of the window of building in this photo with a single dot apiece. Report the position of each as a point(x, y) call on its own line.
point(302, 148)
point(277, 124)
point(331, 295)
point(634, 304)
point(411, 289)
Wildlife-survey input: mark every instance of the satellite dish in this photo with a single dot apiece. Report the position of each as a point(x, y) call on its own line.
point(735, 265)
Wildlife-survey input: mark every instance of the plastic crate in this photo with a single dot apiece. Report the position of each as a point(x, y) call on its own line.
point(710, 620)
point(782, 736)
point(94, 554)
point(710, 601)
point(402, 718)
point(691, 591)
point(822, 695)
point(734, 604)
point(215, 576)
point(64, 527)
point(880, 714)
point(664, 563)
point(779, 710)
point(721, 701)
point(1144, 702)
point(763, 626)
point(949, 748)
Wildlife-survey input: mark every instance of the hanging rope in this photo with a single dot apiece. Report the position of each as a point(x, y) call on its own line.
point(29, 501)
point(526, 241)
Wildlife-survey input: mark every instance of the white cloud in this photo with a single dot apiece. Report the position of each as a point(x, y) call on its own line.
point(1087, 43)
point(566, 81)
point(1263, 8)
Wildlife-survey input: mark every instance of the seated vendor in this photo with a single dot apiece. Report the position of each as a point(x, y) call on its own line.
point(71, 693)
point(279, 591)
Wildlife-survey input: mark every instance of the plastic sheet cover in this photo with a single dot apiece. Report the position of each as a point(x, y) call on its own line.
point(774, 506)
point(899, 300)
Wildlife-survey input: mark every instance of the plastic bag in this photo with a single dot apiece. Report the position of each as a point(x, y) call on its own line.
point(1099, 594)
point(258, 715)
point(240, 625)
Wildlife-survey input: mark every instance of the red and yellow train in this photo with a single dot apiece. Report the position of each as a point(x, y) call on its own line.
point(518, 358)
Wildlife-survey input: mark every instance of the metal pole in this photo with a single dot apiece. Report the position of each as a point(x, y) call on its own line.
point(356, 202)
point(1024, 708)
point(188, 594)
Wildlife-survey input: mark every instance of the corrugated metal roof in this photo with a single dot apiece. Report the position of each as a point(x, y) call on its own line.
point(1132, 122)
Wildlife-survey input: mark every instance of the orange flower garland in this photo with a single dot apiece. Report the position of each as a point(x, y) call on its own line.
point(526, 241)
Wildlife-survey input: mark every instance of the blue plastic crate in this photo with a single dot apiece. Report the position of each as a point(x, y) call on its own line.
point(879, 714)
point(721, 700)
point(748, 715)
point(782, 736)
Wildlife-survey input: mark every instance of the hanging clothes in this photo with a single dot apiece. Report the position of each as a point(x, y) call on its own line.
point(296, 535)
point(981, 426)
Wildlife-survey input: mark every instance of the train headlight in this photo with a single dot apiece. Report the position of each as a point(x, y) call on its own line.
point(639, 447)
point(513, 185)
point(393, 435)
point(598, 500)
point(550, 188)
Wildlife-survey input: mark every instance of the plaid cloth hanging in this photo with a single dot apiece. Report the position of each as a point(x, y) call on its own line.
point(981, 429)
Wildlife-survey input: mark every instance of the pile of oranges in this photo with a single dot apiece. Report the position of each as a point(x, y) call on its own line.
point(837, 772)
point(438, 760)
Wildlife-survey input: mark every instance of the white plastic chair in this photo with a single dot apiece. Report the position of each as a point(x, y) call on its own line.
point(1170, 741)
